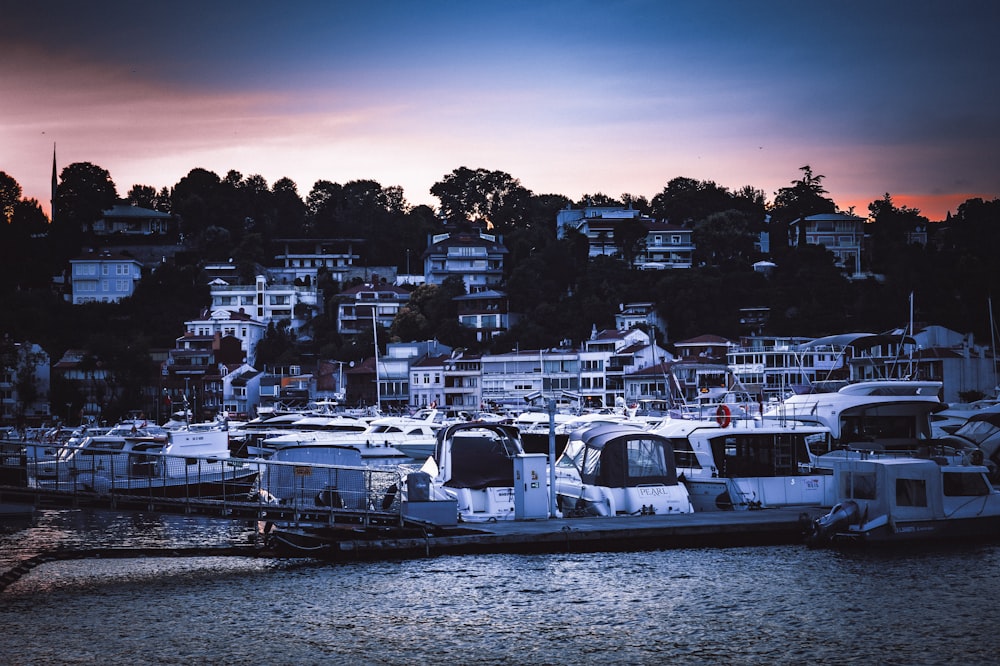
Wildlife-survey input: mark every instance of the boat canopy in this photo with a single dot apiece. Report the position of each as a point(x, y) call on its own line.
point(619, 456)
point(478, 455)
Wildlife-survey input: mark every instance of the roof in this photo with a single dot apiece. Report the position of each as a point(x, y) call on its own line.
point(707, 339)
point(105, 255)
point(467, 239)
point(431, 361)
point(857, 340)
point(479, 295)
point(829, 217)
point(135, 212)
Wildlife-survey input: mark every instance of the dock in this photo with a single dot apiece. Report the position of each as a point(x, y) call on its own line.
point(346, 514)
point(567, 535)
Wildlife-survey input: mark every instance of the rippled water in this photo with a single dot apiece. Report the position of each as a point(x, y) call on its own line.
point(783, 604)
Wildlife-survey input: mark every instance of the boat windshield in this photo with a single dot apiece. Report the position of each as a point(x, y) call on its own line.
point(977, 431)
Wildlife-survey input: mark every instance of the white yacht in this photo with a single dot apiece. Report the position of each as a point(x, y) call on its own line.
point(750, 464)
point(613, 469)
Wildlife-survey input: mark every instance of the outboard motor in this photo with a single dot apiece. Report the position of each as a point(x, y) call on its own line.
point(840, 516)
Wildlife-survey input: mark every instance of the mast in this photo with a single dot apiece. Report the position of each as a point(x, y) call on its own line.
point(52, 202)
point(993, 346)
point(378, 387)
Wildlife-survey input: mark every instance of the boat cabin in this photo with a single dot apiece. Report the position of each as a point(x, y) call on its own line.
point(611, 469)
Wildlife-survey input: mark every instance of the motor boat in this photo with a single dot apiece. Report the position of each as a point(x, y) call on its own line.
point(878, 415)
point(612, 469)
point(473, 464)
point(146, 459)
point(901, 499)
point(749, 464)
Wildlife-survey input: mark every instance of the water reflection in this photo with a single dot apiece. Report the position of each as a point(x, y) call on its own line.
point(784, 604)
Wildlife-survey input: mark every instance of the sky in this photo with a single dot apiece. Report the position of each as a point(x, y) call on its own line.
point(569, 97)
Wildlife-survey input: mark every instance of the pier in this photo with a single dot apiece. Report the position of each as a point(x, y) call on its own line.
point(357, 514)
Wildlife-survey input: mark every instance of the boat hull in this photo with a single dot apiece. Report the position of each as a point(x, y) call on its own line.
point(986, 528)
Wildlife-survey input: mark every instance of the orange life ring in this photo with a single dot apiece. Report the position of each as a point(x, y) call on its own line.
point(723, 416)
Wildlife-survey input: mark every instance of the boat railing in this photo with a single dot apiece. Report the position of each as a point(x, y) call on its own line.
point(322, 492)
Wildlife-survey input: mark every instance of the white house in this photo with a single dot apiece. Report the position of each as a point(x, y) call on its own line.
point(103, 277)
point(267, 302)
point(228, 323)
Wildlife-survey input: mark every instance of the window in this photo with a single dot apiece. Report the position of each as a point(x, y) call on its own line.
point(911, 492)
point(858, 485)
point(965, 484)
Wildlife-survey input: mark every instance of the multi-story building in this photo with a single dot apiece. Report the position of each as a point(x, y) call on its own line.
point(103, 277)
point(241, 392)
point(427, 381)
point(632, 315)
point(485, 312)
point(300, 259)
point(478, 258)
point(25, 383)
point(462, 372)
point(840, 233)
point(194, 370)
point(377, 301)
point(266, 302)
point(91, 380)
point(131, 221)
point(228, 323)
point(665, 245)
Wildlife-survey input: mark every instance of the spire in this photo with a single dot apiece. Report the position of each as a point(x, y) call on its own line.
point(52, 202)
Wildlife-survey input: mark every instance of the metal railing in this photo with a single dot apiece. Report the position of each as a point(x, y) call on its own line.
point(240, 488)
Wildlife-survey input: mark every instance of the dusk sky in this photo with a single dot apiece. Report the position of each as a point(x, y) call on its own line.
point(570, 98)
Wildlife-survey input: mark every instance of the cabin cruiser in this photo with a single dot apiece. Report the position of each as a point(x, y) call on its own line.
point(877, 415)
point(981, 435)
point(146, 459)
point(614, 469)
point(903, 499)
point(750, 464)
point(473, 464)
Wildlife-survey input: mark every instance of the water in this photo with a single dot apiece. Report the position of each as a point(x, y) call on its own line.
point(786, 604)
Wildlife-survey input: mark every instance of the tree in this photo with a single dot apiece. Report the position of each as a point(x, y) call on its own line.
point(290, 210)
point(684, 201)
point(802, 199)
point(477, 196)
point(84, 192)
point(599, 200)
point(143, 196)
point(195, 199)
point(723, 239)
point(890, 228)
point(630, 239)
point(10, 194)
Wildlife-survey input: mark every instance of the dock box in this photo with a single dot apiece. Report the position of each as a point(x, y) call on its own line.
point(439, 512)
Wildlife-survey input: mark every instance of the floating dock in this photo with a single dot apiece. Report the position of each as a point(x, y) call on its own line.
point(621, 533)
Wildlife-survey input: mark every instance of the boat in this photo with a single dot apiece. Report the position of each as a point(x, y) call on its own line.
point(260, 437)
point(146, 459)
point(748, 464)
point(413, 436)
point(473, 464)
point(885, 499)
point(534, 428)
point(981, 433)
point(878, 415)
point(613, 469)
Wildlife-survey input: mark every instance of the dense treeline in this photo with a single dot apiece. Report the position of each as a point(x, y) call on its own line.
point(560, 292)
